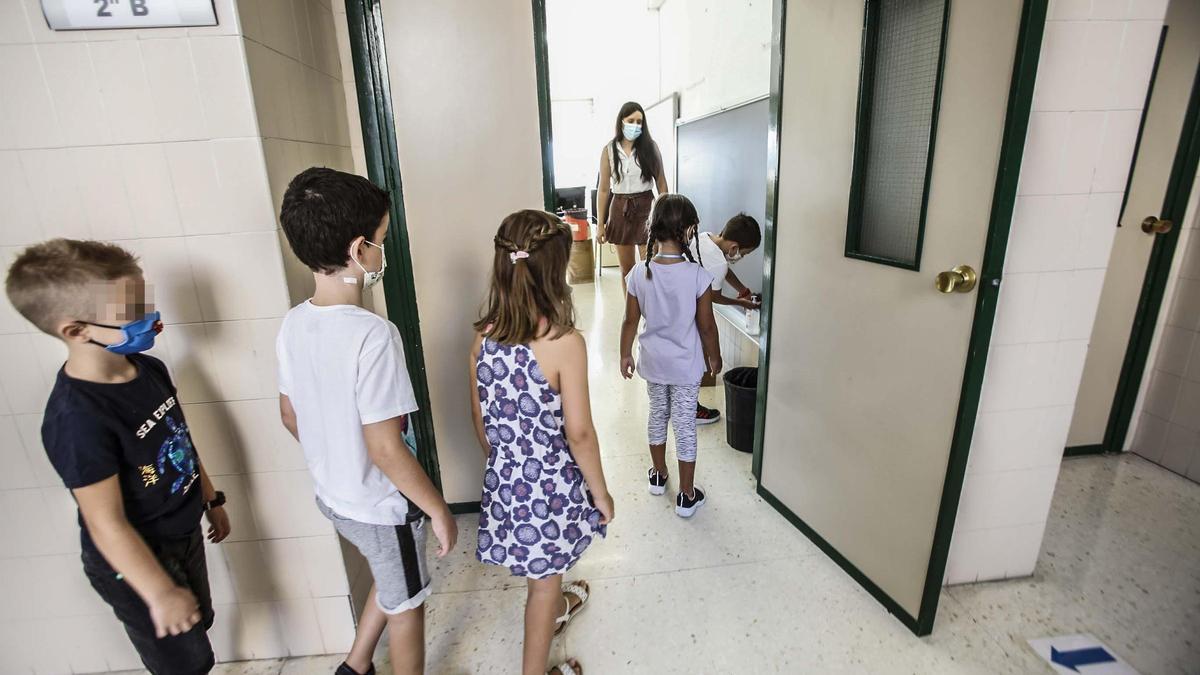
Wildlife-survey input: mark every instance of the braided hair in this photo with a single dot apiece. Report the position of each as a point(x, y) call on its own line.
point(673, 218)
point(529, 280)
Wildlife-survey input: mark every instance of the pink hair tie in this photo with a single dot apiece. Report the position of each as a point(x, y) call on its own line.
point(518, 255)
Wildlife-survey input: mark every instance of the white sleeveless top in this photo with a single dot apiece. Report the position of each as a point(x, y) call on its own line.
point(631, 173)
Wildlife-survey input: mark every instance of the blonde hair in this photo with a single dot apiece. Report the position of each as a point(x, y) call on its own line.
point(51, 281)
point(529, 280)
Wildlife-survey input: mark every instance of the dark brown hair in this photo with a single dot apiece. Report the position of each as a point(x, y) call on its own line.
point(54, 280)
point(743, 230)
point(644, 148)
point(324, 210)
point(673, 218)
point(528, 288)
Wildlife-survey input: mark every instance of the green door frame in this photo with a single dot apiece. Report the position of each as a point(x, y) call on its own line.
point(1158, 270)
point(1020, 100)
point(365, 20)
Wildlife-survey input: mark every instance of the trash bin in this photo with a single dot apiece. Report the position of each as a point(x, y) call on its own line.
point(741, 401)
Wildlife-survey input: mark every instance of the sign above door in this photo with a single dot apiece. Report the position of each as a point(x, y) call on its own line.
point(102, 14)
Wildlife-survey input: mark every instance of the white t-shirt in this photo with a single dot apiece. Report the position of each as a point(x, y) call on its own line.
point(711, 258)
point(342, 367)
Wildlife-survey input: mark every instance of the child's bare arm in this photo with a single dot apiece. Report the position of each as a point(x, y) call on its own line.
point(388, 451)
point(733, 280)
point(633, 316)
point(709, 337)
point(577, 417)
point(476, 413)
point(173, 608)
point(288, 415)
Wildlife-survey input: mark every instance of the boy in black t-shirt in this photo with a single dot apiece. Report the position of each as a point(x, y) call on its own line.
point(115, 432)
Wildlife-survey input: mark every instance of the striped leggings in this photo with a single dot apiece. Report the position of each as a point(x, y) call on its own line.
point(675, 403)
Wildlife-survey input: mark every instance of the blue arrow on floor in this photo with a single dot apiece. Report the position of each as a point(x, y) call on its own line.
point(1080, 657)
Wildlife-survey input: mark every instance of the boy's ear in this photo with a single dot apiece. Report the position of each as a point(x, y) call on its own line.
point(72, 331)
point(355, 244)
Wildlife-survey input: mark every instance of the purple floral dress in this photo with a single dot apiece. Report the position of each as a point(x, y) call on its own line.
point(536, 515)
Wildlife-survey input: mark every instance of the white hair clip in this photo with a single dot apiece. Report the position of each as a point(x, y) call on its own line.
point(518, 255)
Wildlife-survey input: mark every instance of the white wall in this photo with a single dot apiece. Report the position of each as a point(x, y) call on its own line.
point(601, 55)
point(150, 138)
point(1094, 68)
point(715, 53)
point(463, 172)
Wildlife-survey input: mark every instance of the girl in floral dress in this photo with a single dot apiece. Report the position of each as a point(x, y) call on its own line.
point(544, 495)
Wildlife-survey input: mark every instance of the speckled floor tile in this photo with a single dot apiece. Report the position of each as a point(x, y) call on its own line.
point(1120, 560)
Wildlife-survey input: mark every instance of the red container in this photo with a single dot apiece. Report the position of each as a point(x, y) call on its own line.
point(577, 220)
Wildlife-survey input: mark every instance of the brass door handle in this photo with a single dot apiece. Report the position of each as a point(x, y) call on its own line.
point(961, 279)
point(1152, 225)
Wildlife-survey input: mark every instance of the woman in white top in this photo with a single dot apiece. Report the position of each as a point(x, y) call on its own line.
point(630, 169)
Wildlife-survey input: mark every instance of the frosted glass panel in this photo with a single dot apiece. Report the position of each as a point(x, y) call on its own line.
point(896, 118)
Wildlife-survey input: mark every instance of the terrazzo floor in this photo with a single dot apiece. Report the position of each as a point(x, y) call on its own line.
point(738, 590)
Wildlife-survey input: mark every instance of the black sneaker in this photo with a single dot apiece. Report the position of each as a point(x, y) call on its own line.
point(685, 506)
point(707, 415)
point(347, 670)
point(658, 481)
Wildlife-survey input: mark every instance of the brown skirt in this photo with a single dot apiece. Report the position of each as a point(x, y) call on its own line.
point(629, 219)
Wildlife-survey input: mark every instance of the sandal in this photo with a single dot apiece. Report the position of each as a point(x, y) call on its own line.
point(580, 590)
point(565, 668)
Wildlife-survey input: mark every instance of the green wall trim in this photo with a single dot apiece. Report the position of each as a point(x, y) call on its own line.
point(862, 139)
point(1083, 450)
point(1154, 286)
point(365, 19)
point(459, 508)
point(541, 61)
point(1012, 148)
point(848, 567)
point(774, 124)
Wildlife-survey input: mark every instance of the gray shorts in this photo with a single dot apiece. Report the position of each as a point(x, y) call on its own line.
point(396, 555)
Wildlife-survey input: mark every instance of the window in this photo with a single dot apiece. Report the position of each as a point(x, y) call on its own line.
point(897, 117)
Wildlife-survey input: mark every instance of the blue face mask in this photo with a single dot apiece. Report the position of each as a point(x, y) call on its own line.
point(631, 131)
point(139, 335)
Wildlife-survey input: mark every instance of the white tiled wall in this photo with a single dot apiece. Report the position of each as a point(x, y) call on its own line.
point(293, 53)
point(1095, 65)
point(1168, 429)
point(175, 143)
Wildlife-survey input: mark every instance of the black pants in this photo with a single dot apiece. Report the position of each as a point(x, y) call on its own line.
point(183, 560)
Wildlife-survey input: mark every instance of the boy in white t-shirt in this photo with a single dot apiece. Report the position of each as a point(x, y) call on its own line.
point(344, 393)
point(716, 253)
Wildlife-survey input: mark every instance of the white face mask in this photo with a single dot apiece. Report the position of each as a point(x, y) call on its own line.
point(372, 278)
point(733, 257)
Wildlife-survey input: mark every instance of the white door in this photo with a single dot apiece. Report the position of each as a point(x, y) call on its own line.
point(1097, 423)
point(866, 360)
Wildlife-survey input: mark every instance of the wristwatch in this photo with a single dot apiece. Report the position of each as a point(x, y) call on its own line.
point(219, 500)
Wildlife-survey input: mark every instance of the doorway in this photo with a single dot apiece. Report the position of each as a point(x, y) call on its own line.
point(1138, 392)
point(703, 73)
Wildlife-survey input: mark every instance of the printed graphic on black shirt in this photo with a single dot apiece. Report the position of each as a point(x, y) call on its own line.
point(135, 431)
point(176, 454)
